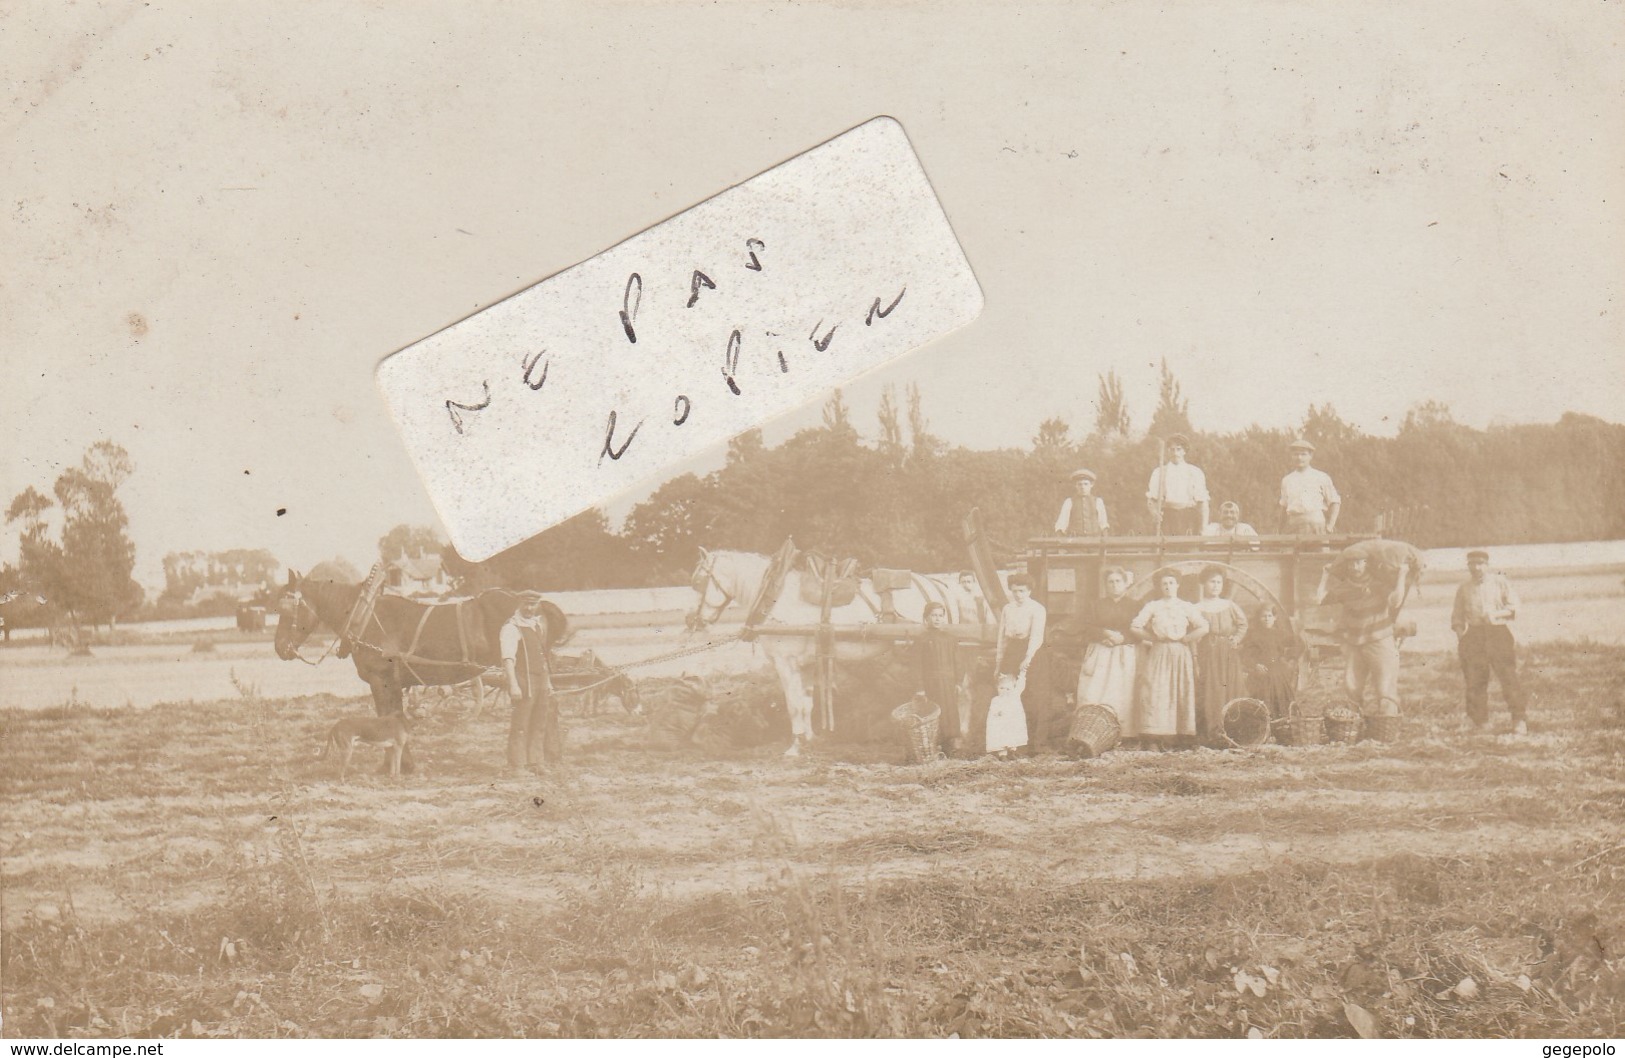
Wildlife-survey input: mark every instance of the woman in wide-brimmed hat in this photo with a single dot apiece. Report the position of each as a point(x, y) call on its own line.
point(1170, 627)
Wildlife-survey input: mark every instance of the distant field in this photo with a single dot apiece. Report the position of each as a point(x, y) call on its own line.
point(191, 869)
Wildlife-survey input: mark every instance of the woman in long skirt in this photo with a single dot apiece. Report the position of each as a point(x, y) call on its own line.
point(1109, 660)
point(1219, 677)
point(1269, 655)
point(1169, 626)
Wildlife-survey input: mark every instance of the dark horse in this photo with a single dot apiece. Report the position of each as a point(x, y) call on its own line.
point(404, 643)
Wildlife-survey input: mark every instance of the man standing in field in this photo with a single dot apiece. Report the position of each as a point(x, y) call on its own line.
point(1485, 607)
point(533, 733)
point(1309, 500)
point(1177, 494)
point(1366, 624)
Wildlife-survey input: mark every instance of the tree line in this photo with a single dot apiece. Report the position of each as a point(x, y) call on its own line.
point(898, 496)
point(895, 497)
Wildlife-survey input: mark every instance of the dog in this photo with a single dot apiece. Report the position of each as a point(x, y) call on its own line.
point(388, 731)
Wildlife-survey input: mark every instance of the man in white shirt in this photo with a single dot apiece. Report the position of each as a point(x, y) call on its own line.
point(1229, 523)
point(1083, 513)
point(1177, 493)
point(533, 734)
point(1486, 605)
point(1309, 500)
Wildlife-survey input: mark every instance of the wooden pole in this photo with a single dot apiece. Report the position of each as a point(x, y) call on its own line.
point(965, 633)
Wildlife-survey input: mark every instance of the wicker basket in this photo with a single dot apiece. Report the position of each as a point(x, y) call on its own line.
point(1300, 731)
point(1246, 723)
point(1383, 728)
point(1095, 730)
point(1343, 725)
point(919, 720)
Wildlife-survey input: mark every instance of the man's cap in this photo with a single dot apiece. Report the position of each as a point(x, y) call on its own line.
point(1478, 556)
point(1083, 474)
point(1179, 439)
point(1300, 445)
point(1230, 505)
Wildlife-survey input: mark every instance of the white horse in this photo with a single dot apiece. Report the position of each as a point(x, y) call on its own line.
point(724, 578)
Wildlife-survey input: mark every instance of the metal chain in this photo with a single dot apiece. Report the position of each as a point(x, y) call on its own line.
point(682, 653)
point(672, 655)
point(332, 643)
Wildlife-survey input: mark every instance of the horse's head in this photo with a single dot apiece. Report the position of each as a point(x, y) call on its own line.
point(627, 690)
point(295, 620)
point(714, 596)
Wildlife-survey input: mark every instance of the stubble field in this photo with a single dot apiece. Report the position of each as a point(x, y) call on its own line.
point(191, 869)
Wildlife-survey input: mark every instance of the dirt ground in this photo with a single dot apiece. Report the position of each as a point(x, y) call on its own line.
point(192, 869)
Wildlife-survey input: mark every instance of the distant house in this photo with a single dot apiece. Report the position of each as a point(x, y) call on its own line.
point(417, 575)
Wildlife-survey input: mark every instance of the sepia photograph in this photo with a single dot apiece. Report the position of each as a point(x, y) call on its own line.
point(677, 520)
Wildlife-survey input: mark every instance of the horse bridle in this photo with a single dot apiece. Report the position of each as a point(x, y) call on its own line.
point(704, 578)
point(290, 605)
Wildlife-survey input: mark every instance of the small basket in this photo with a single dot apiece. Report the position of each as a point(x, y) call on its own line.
point(919, 729)
point(1246, 722)
point(1383, 728)
point(1342, 725)
point(1300, 731)
point(1095, 729)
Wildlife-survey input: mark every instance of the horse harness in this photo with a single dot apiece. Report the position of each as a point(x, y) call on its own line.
point(704, 579)
point(410, 654)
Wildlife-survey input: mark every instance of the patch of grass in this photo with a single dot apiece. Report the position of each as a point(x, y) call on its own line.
point(223, 884)
point(929, 843)
point(987, 955)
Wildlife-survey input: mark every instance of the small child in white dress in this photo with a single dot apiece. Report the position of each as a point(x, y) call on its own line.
point(1006, 720)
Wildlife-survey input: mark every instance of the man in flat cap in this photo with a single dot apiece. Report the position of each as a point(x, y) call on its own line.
point(1309, 500)
point(1082, 513)
point(1485, 606)
point(1177, 493)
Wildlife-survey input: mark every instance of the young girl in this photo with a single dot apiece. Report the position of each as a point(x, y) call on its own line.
point(1270, 656)
point(1006, 720)
point(937, 651)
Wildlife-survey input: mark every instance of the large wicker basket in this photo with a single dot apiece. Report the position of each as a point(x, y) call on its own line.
point(1300, 731)
point(1342, 725)
point(1383, 728)
point(1246, 723)
point(1094, 730)
point(919, 720)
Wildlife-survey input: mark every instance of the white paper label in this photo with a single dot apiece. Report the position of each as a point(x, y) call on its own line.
point(748, 305)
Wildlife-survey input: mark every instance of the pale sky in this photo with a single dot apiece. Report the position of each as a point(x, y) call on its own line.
point(218, 218)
